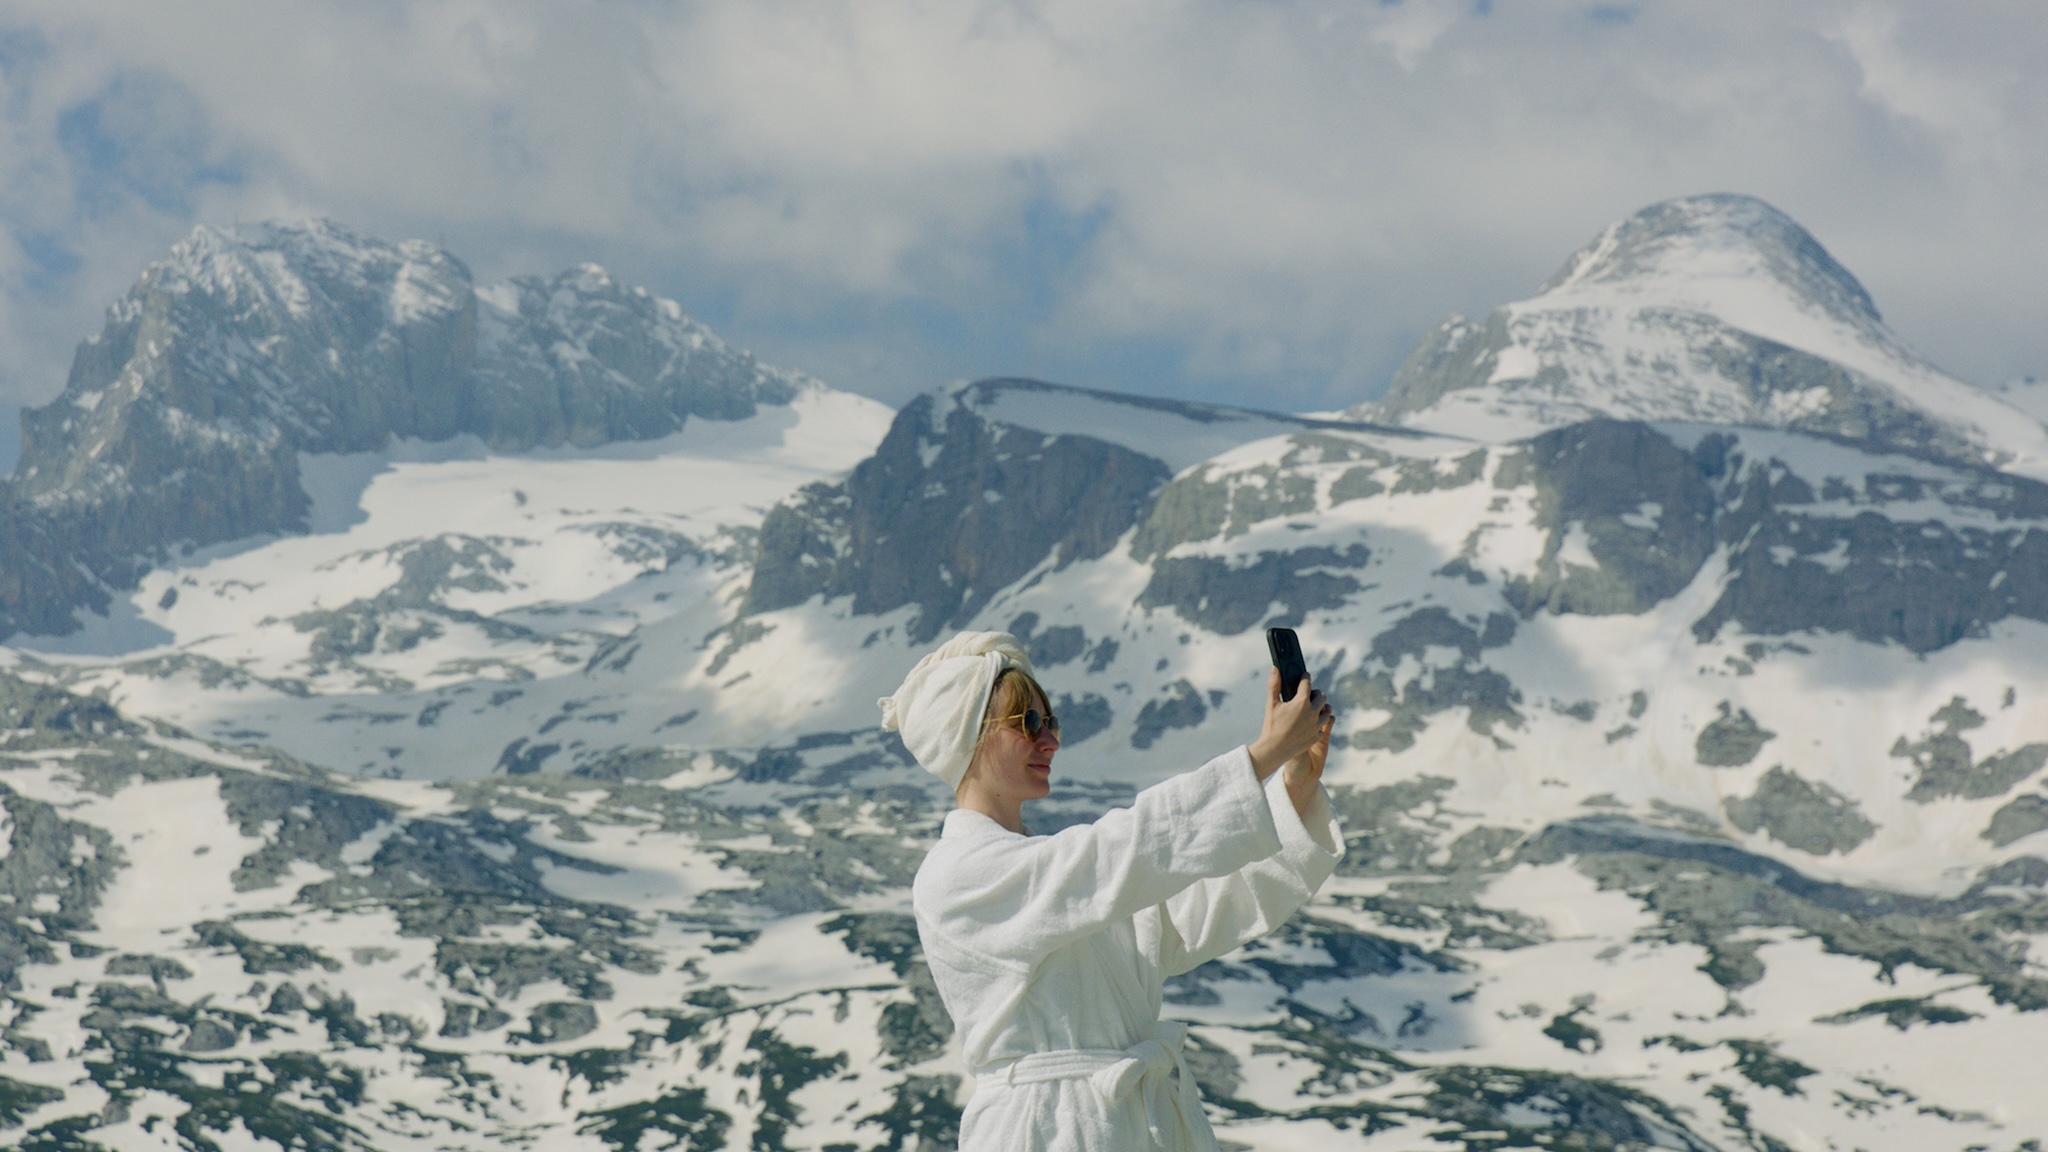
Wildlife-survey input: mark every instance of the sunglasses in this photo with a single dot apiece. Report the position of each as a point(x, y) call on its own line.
point(1034, 723)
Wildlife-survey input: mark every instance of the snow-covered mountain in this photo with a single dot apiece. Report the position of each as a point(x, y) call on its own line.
point(183, 421)
point(1695, 777)
point(1716, 309)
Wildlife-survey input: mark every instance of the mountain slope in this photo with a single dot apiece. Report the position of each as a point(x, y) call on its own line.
point(1711, 308)
point(1614, 821)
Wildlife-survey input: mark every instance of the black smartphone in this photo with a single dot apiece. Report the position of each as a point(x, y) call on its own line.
point(1286, 649)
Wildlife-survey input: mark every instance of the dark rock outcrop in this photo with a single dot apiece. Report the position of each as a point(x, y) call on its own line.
point(1645, 506)
point(1227, 597)
point(1731, 739)
point(1808, 549)
point(1801, 814)
point(1861, 556)
point(581, 359)
point(182, 419)
point(951, 508)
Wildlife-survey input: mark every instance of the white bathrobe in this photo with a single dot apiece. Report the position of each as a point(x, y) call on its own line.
point(1049, 951)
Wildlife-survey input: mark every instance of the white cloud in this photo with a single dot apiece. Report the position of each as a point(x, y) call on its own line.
point(1957, 100)
point(1409, 30)
point(891, 192)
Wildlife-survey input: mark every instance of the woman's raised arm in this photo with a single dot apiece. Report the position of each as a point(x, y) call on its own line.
point(1018, 898)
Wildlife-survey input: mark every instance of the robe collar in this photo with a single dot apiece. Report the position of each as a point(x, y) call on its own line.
point(965, 822)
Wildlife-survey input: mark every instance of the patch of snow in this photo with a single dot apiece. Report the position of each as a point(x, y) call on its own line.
point(1514, 363)
point(1836, 559)
point(1646, 516)
point(1177, 435)
point(1576, 549)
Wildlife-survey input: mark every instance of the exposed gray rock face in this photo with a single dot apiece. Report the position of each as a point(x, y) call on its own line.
point(950, 509)
point(1489, 698)
point(271, 1020)
point(918, 1030)
point(1054, 646)
point(966, 496)
point(1081, 717)
point(1731, 740)
point(1228, 597)
point(1902, 1013)
point(1646, 508)
point(2023, 817)
point(1945, 760)
point(1798, 562)
point(39, 869)
point(1416, 633)
point(1784, 252)
point(412, 610)
point(1921, 556)
point(1181, 707)
point(582, 359)
point(182, 421)
point(1801, 814)
point(1456, 356)
point(521, 970)
point(1199, 506)
point(49, 567)
point(558, 1020)
point(1212, 503)
point(1827, 398)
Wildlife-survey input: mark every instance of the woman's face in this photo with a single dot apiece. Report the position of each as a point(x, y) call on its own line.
point(1014, 766)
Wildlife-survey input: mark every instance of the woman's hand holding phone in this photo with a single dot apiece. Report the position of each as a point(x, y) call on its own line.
point(1293, 728)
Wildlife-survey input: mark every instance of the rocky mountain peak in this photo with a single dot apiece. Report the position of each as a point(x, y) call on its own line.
point(1676, 248)
point(289, 332)
point(182, 419)
point(299, 262)
point(1710, 309)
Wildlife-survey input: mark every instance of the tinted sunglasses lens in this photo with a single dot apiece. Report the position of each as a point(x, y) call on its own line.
point(1034, 723)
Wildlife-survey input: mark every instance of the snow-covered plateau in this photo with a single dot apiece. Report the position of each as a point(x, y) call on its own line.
point(492, 760)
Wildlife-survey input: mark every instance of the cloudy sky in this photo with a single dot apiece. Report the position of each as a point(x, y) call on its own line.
point(1266, 201)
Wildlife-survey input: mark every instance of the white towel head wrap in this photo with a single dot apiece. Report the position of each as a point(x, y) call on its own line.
point(939, 708)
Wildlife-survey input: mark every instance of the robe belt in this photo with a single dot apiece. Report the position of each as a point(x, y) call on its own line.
point(1153, 1068)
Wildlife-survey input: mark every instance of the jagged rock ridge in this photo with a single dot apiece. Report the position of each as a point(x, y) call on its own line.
point(967, 494)
point(182, 420)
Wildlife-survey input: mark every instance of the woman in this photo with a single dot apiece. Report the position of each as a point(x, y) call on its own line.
point(1050, 951)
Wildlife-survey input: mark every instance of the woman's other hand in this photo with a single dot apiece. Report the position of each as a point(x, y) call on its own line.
point(1303, 775)
point(1292, 728)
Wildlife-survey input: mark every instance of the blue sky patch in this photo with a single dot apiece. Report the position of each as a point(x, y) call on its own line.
point(144, 138)
point(51, 261)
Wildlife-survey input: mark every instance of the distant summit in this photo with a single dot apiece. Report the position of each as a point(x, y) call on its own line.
point(1682, 248)
point(1718, 309)
point(183, 419)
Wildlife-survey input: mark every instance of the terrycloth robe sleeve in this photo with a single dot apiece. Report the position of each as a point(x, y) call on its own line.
point(1211, 917)
point(1021, 898)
